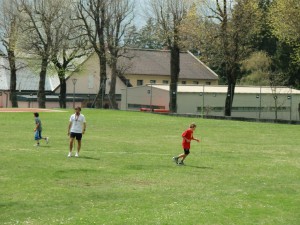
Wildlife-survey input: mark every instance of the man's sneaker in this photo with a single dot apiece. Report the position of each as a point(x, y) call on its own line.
point(36, 145)
point(76, 155)
point(175, 159)
point(70, 154)
point(47, 140)
point(181, 163)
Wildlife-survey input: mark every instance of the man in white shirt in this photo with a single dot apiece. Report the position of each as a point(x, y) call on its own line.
point(76, 129)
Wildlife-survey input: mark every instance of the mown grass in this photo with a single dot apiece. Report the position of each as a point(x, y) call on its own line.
point(241, 173)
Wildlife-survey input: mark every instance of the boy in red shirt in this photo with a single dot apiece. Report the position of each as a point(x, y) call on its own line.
point(187, 137)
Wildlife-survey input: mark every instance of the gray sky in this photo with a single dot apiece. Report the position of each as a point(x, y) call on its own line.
point(140, 17)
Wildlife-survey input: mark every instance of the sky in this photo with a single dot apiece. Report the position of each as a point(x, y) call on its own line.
point(140, 17)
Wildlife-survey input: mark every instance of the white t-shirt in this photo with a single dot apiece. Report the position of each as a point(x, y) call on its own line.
point(77, 123)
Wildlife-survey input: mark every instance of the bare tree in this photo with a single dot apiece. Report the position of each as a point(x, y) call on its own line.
point(43, 21)
point(276, 80)
point(64, 62)
point(73, 46)
point(117, 22)
point(9, 27)
point(92, 14)
point(237, 22)
point(169, 15)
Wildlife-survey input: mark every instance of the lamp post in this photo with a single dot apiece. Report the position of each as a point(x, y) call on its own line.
point(74, 80)
point(291, 100)
point(151, 96)
point(59, 101)
point(202, 108)
point(259, 97)
point(289, 97)
point(126, 94)
point(30, 98)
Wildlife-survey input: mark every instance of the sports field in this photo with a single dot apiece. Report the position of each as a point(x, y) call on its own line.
point(241, 173)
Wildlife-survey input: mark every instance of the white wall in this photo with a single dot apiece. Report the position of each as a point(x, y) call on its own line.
point(144, 95)
point(88, 79)
point(4, 99)
point(244, 105)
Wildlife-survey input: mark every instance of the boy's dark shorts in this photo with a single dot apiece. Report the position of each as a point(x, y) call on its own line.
point(77, 135)
point(186, 151)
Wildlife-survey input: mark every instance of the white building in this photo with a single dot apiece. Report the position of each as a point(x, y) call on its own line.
point(139, 67)
point(249, 101)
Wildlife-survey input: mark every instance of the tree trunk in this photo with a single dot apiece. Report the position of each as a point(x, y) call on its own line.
point(63, 90)
point(102, 86)
point(14, 98)
point(102, 58)
point(226, 62)
point(175, 69)
point(229, 98)
point(112, 91)
point(12, 62)
point(41, 96)
point(13, 79)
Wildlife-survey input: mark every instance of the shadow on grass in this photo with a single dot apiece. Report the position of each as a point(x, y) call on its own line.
point(42, 146)
point(200, 167)
point(86, 157)
point(146, 167)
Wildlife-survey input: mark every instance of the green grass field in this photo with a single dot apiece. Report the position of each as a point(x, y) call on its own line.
point(241, 173)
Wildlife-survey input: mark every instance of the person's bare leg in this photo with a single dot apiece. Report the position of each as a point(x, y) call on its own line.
point(71, 147)
point(78, 147)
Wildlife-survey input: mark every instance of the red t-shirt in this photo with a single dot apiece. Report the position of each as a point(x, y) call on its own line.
point(188, 134)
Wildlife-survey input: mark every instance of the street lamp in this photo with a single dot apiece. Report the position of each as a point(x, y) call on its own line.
point(289, 97)
point(259, 97)
point(126, 105)
point(151, 97)
point(202, 108)
point(74, 80)
point(30, 98)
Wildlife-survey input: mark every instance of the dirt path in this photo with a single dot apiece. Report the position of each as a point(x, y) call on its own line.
point(29, 110)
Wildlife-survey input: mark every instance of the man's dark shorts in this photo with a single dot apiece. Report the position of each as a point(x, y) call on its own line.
point(186, 151)
point(77, 135)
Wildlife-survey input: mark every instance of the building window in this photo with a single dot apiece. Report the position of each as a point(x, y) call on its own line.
point(152, 81)
point(208, 83)
point(183, 82)
point(165, 82)
point(139, 82)
point(195, 82)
